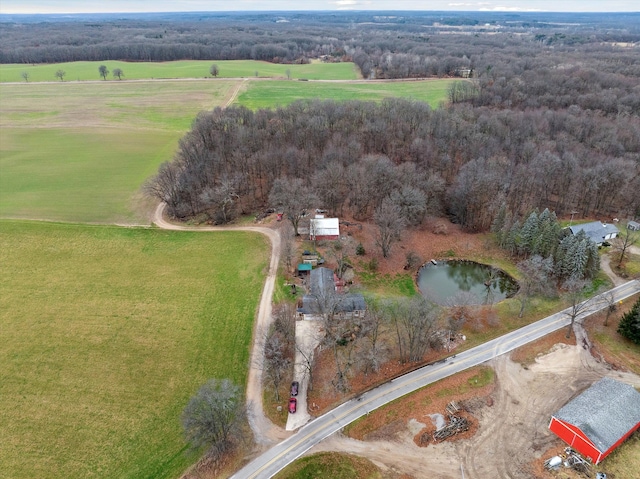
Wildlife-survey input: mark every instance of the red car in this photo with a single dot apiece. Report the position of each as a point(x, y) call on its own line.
point(293, 405)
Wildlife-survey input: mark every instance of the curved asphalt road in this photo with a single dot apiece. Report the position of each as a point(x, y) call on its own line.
point(276, 458)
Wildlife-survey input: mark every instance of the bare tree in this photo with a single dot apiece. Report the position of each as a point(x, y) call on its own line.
point(623, 243)
point(611, 305)
point(213, 417)
point(293, 197)
point(575, 291)
point(462, 307)
point(25, 75)
point(373, 327)
point(390, 224)
point(276, 362)
point(118, 73)
point(537, 275)
point(414, 321)
point(288, 246)
point(341, 250)
point(222, 198)
point(412, 204)
point(214, 71)
point(308, 363)
point(104, 71)
point(60, 74)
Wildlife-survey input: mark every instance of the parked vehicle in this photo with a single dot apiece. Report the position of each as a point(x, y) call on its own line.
point(293, 405)
point(294, 388)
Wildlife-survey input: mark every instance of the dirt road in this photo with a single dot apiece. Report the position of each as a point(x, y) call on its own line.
point(266, 433)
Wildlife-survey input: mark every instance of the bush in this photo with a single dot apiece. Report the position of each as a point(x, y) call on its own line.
point(629, 326)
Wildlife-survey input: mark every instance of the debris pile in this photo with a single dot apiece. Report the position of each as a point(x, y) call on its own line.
point(456, 425)
point(573, 460)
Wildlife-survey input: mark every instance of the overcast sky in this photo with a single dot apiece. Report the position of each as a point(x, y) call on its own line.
point(87, 6)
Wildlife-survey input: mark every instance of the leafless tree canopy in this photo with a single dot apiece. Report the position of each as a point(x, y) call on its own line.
point(212, 418)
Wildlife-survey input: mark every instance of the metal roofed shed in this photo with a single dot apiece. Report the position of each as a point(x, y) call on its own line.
point(321, 228)
point(596, 231)
point(633, 226)
point(598, 420)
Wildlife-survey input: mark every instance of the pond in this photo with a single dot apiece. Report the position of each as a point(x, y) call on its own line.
point(467, 281)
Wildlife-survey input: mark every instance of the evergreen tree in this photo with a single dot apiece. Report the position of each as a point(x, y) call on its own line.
point(512, 239)
point(629, 326)
point(529, 234)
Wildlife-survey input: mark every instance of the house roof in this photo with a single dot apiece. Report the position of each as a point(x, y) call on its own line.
point(596, 231)
point(321, 282)
point(347, 303)
point(322, 295)
point(604, 413)
point(324, 227)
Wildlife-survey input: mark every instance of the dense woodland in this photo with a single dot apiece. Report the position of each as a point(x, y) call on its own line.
point(464, 161)
point(549, 118)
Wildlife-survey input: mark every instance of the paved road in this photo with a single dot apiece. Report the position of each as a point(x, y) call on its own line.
point(276, 458)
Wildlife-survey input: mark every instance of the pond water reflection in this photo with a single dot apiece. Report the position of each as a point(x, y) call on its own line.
point(442, 281)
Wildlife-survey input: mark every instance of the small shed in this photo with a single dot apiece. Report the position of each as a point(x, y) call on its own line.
point(633, 226)
point(600, 419)
point(304, 269)
point(321, 228)
point(596, 231)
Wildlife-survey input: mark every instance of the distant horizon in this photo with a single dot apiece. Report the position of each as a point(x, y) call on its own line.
point(81, 7)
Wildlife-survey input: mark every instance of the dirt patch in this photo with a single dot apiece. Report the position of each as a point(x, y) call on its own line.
point(388, 421)
point(526, 355)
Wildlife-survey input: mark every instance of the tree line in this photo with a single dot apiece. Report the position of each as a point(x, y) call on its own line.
point(350, 157)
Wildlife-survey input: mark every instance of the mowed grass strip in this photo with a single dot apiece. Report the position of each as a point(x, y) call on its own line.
point(81, 152)
point(106, 333)
point(270, 94)
point(83, 71)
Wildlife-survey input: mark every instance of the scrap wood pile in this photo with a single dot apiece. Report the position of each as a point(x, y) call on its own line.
point(456, 425)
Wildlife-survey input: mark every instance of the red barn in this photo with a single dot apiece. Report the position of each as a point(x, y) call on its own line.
point(599, 419)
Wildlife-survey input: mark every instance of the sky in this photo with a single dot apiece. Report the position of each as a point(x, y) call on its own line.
point(112, 6)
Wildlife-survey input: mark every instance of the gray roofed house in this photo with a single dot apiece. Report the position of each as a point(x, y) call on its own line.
point(323, 296)
point(596, 231)
point(602, 416)
point(633, 226)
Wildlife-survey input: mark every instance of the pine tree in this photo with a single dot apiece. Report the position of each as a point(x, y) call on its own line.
point(529, 234)
point(629, 326)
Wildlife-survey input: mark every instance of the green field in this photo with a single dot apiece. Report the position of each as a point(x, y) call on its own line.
point(82, 71)
point(106, 333)
point(271, 94)
point(80, 152)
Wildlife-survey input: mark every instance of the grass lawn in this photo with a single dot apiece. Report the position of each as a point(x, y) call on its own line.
point(83, 71)
point(281, 93)
point(101, 350)
point(331, 464)
point(80, 152)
